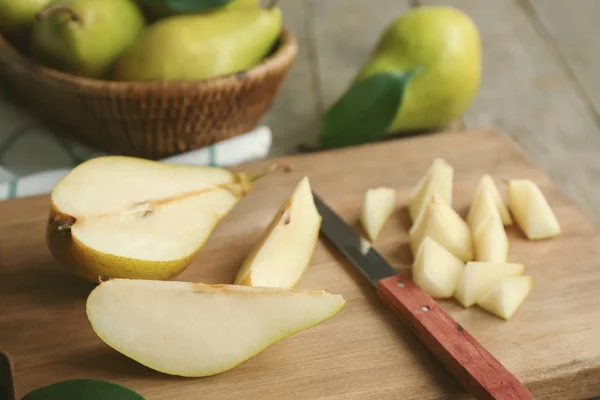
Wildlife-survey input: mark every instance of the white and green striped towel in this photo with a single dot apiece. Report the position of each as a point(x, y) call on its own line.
point(33, 160)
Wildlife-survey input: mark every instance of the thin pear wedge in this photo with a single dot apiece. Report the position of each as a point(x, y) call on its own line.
point(436, 270)
point(377, 208)
point(477, 277)
point(285, 249)
point(437, 181)
point(505, 297)
point(125, 217)
point(446, 227)
point(531, 210)
point(482, 208)
point(192, 329)
point(486, 184)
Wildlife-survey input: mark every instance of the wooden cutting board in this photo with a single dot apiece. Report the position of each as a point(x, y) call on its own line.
point(552, 343)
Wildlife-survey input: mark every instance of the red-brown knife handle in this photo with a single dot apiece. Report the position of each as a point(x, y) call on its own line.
point(470, 363)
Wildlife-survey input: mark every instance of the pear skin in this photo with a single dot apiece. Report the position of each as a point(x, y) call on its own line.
point(208, 45)
point(158, 10)
point(445, 43)
point(85, 37)
point(16, 19)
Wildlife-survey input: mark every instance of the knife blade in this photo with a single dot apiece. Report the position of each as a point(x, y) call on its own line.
point(464, 357)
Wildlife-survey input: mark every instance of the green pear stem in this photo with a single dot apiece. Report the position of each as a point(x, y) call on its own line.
point(286, 168)
point(58, 9)
point(272, 3)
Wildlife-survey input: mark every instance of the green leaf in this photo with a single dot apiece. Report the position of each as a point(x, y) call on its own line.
point(365, 112)
point(187, 6)
point(83, 389)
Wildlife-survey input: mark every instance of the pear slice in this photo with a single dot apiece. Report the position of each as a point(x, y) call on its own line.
point(505, 297)
point(531, 210)
point(487, 185)
point(437, 181)
point(490, 240)
point(436, 270)
point(446, 227)
point(125, 217)
point(477, 277)
point(377, 208)
point(284, 251)
point(192, 329)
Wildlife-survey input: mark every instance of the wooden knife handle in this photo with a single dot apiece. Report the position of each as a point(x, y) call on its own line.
point(470, 363)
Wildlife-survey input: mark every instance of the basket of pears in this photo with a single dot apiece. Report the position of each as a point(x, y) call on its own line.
point(145, 78)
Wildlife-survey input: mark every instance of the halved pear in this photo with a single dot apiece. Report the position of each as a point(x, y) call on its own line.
point(490, 240)
point(193, 329)
point(486, 184)
point(505, 297)
point(126, 217)
point(531, 210)
point(436, 270)
point(284, 251)
point(478, 277)
point(446, 227)
point(437, 181)
point(377, 208)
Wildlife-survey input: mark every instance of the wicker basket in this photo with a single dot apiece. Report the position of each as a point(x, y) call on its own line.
point(148, 119)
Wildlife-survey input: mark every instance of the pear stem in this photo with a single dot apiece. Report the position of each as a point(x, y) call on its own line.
point(57, 8)
point(286, 168)
point(272, 3)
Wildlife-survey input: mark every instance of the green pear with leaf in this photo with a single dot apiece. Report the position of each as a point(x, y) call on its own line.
point(424, 72)
point(16, 19)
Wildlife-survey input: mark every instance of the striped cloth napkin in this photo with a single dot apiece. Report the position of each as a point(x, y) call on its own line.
point(33, 160)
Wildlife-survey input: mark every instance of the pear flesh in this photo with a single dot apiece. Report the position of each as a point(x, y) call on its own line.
point(284, 251)
point(505, 297)
point(436, 270)
point(125, 217)
point(436, 182)
point(531, 210)
point(477, 277)
point(193, 329)
point(85, 37)
point(208, 45)
point(490, 240)
point(487, 185)
point(377, 208)
point(446, 227)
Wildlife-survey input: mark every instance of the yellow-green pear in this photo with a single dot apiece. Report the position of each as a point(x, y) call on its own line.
point(201, 46)
point(192, 329)
point(16, 19)
point(125, 217)
point(442, 45)
point(85, 37)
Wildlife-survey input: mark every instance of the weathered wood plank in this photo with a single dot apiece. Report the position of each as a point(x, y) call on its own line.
point(573, 28)
point(527, 93)
point(292, 117)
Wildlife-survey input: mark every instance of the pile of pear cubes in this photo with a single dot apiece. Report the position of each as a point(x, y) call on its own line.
point(467, 259)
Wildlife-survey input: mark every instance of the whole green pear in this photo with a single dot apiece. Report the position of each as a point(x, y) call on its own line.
point(201, 46)
point(85, 37)
point(161, 9)
point(444, 44)
point(16, 18)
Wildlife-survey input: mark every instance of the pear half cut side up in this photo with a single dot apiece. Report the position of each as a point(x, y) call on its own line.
point(125, 217)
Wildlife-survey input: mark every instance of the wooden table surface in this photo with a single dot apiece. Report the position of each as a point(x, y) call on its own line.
point(539, 84)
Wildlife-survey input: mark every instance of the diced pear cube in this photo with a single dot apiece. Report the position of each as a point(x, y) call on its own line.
point(531, 210)
point(505, 297)
point(436, 182)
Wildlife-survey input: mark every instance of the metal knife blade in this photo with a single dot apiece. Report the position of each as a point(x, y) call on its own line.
point(371, 264)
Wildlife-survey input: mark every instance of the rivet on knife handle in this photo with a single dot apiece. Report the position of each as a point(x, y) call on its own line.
point(475, 368)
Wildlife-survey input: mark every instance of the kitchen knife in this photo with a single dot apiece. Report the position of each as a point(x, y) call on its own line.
point(470, 363)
